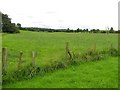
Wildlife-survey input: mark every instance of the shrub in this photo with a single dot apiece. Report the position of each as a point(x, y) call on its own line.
point(113, 52)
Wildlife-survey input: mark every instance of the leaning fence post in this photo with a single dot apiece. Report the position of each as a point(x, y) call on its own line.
point(33, 58)
point(68, 51)
point(20, 59)
point(4, 58)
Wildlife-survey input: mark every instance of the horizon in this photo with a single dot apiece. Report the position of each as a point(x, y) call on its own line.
point(72, 29)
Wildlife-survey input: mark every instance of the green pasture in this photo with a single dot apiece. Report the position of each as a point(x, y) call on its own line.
point(50, 47)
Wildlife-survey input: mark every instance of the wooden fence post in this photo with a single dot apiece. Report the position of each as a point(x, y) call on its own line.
point(4, 59)
point(20, 59)
point(68, 51)
point(33, 58)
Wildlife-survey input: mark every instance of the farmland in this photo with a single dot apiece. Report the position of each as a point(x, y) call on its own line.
point(50, 47)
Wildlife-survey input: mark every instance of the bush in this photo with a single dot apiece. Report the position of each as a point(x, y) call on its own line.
point(113, 52)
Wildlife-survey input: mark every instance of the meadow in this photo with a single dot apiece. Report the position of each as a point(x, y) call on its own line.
point(50, 47)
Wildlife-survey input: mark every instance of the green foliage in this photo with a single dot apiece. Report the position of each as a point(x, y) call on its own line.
point(19, 25)
point(114, 52)
point(8, 27)
point(26, 73)
point(95, 31)
point(111, 30)
point(103, 31)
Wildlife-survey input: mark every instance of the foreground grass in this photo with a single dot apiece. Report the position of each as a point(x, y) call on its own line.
point(99, 74)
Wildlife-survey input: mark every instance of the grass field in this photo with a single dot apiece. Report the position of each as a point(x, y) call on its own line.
point(100, 74)
point(50, 47)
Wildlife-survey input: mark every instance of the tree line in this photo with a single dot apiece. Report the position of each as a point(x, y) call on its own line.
point(69, 30)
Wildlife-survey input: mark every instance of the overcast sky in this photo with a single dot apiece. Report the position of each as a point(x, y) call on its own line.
point(62, 13)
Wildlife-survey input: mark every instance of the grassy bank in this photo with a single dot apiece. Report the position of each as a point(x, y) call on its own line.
point(99, 74)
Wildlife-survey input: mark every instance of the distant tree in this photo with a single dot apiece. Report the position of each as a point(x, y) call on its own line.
point(111, 30)
point(118, 31)
point(86, 30)
point(71, 31)
point(7, 25)
point(19, 25)
point(68, 30)
point(78, 30)
point(103, 31)
point(92, 30)
point(95, 30)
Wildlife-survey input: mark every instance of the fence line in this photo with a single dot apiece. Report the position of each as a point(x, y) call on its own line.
point(5, 54)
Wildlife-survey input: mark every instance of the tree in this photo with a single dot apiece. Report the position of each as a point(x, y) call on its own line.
point(86, 30)
point(19, 25)
point(103, 31)
point(111, 30)
point(68, 30)
point(95, 30)
point(78, 30)
point(8, 27)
